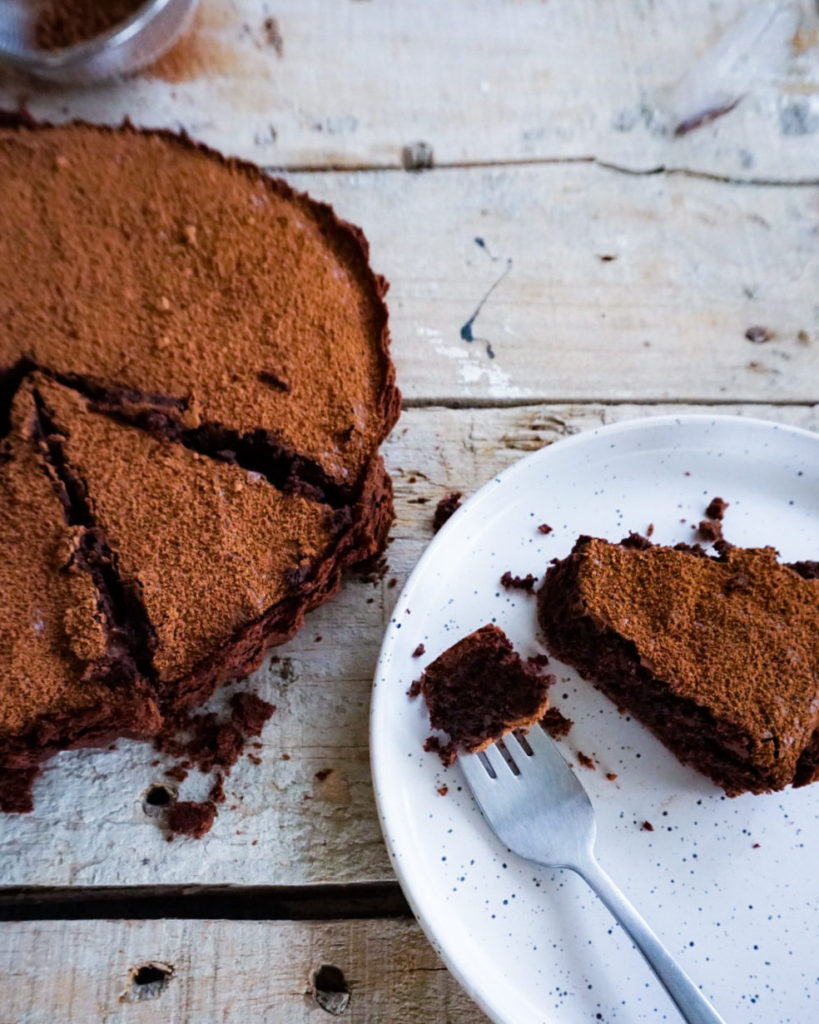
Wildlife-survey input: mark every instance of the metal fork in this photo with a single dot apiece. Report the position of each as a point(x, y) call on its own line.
point(538, 807)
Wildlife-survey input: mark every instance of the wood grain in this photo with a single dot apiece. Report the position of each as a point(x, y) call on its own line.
point(282, 824)
point(227, 971)
point(477, 81)
point(596, 286)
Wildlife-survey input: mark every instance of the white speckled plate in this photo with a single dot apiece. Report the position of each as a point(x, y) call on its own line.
point(730, 885)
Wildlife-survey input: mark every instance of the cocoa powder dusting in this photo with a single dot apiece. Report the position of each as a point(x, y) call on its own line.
point(445, 508)
point(62, 23)
point(186, 320)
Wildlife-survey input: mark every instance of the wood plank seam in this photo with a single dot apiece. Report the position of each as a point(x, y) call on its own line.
point(546, 161)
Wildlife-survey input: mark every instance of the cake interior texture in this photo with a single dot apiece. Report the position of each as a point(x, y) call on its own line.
point(194, 384)
point(479, 689)
point(718, 655)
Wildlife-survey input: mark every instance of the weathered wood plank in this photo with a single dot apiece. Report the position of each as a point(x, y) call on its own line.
point(227, 971)
point(604, 286)
point(353, 84)
point(282, 825)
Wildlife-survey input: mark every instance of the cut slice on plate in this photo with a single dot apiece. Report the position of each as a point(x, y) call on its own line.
point(719, 656)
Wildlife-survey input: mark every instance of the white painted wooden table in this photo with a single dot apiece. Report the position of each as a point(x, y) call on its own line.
point(628, 264)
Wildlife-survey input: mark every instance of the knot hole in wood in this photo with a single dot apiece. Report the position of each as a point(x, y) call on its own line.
point(147, 981)
point(157, 798)
point(330, 989)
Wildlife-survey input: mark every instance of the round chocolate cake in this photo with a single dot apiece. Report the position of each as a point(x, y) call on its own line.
point(194, 384)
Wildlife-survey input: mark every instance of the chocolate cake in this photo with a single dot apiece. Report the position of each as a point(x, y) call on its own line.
point(719, 655)
point(194, 384)
point(479, 689)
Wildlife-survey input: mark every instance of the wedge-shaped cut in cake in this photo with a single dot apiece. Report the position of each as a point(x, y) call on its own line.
point(719, 656)
point(214, 555)
point(480, 689)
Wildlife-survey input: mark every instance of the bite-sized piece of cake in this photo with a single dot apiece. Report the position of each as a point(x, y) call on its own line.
point(209, 551)
point(66, 672)
point(719, 656)
point(480, 689)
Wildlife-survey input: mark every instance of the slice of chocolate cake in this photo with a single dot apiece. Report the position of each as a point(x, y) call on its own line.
point(68, 677)
point(254, 557)
point(480, 689)
point(719, 656)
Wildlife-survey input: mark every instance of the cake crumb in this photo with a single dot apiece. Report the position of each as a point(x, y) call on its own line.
point(419, 650)
point(556, 724)
point(415, 688)
point(191, 818)
point(446, 751)
point(710, 529)
point(526, 582)
point(445, 508)
point(544, 528)
point(585, 760)
point(217, 790)
point(323, 774)
point(209, 742)
point(647, 826)
point(650, 530)
point(443, 790)
point(755, 846)
point(611, 776)
point(716, 508)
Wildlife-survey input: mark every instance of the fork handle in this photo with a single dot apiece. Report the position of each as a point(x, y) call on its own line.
point(688, 999)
